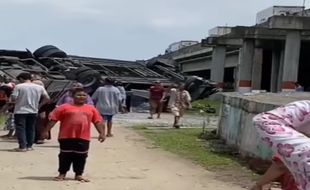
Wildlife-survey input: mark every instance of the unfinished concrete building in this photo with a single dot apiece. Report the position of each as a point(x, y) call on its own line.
point(271, 55)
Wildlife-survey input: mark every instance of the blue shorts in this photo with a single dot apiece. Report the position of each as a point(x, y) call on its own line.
point(107, 118)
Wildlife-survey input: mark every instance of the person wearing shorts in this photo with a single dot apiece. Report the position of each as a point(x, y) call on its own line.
point(107, 118)
point(108, 100)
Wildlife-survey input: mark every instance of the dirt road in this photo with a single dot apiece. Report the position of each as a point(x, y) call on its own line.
point(124, 162)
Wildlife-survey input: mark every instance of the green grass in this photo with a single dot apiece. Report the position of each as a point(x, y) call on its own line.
point(203, 104)
point(185, 143)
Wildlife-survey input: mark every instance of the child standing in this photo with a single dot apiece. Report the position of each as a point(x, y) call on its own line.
point(74, 133)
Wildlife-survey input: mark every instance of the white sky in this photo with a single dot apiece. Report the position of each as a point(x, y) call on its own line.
point(120, 29)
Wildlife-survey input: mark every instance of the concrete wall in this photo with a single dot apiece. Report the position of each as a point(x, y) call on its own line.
point(196, 65)
point(235, 123)
point(204, 63)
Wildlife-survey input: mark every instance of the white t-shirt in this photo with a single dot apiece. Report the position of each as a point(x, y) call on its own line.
point(108, 99)
point(27, 97)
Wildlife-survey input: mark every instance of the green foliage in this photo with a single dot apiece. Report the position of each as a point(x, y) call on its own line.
point(206, 104)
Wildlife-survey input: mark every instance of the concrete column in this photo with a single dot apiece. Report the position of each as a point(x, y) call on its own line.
point(245, 66)
point(280, 75)
point(291, 60)
point(218, 65)
point(275, 69)
point(257, 69)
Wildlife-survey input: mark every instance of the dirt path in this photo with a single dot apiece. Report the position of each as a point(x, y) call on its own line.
point(124, 162)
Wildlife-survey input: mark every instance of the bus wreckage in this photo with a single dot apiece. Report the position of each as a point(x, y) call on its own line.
point(59, 71)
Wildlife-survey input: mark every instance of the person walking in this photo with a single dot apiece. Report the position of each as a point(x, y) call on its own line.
point(179, 101)
point(74, 133)
point(28, 98)
point(156, 99)
point(120, 87)
point(107, 100)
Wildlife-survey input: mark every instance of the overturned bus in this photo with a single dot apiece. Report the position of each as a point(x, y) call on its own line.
point(59, 71)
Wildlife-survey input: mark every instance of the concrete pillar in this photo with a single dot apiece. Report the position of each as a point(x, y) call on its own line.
point(275, 69)
point(280, 75)
point(218, 65)
point(291, 60)
point(245, 66)
point(257, 69)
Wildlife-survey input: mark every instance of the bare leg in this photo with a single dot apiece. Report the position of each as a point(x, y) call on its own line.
point(160, 107)
point(10, 133)
point(109, 126)
point(153, 108)
point(177, 122)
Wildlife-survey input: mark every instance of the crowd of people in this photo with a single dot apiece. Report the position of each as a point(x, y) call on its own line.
point(31, 115)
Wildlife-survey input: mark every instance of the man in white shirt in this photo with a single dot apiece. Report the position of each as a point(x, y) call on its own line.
point(107, 100)
point(28, 98)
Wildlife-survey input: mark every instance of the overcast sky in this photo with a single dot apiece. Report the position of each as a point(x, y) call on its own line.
point(120, 29)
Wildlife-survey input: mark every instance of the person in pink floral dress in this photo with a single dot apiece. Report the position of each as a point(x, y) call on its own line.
point(285, 130)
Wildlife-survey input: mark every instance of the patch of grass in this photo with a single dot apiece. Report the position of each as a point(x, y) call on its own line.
point(204, 104)
point(185, 143)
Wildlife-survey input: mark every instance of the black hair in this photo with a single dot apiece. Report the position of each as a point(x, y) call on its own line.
point(24, 76)
point(77, 90)
point(118, 83)
point(109, 80)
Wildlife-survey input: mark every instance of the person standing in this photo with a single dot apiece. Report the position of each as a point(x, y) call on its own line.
point(74, 133)
point(42, 115)
point(180, 100)
point(122, 91)
point(107, 100)
point(28, 98)
point(156, 99)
